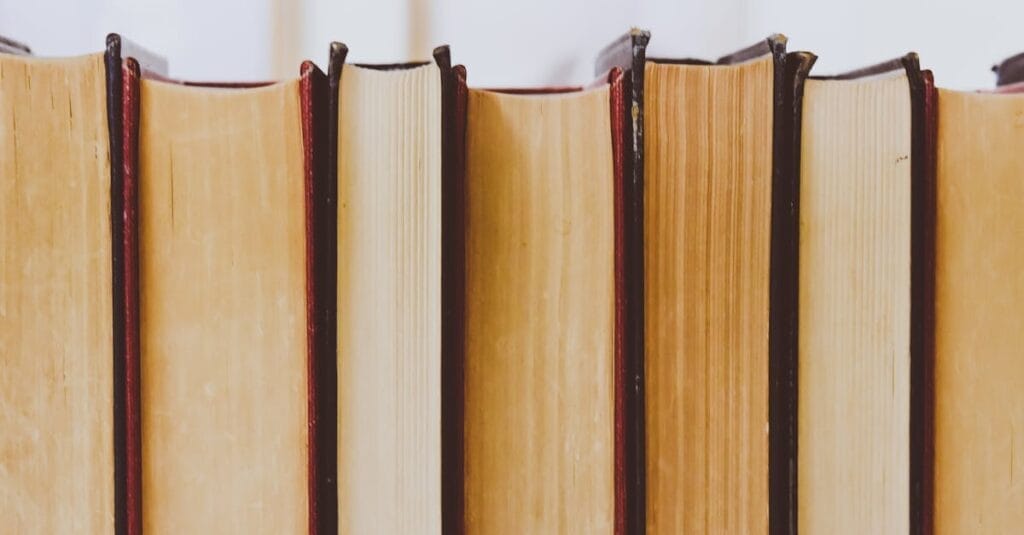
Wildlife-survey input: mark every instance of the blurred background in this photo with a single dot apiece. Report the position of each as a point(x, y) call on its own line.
point(521, 42)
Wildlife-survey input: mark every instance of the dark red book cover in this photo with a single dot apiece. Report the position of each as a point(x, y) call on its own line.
point(125, 64)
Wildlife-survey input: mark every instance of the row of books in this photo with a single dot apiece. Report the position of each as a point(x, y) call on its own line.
point(691, 297)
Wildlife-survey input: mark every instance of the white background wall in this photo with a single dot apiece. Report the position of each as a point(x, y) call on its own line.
point(521, 42)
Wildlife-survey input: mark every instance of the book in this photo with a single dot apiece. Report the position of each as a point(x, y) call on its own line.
point(231, 331)
point(979, 408)
point(718, 291)
point(863, 303)
point(64, 327)
point(393, 273)
point(541, 337)
point(56, 325)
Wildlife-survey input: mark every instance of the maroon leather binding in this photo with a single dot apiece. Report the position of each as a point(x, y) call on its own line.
point(617, 109)
point(321, 305)
point(133, 418)
point(125, 64)
point(628, 55)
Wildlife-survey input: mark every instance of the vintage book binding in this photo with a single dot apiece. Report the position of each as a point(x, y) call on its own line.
point(628, 53)
point(874, 94)
point(125, 64)
point(372, 108)
point(126, 69)
point(775, 385)
point(490, 481)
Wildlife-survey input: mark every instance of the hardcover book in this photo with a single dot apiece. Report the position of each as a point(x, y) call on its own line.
point(65, 323)
point(719, 289)
point(57, 307)
point(542, 378)
point(231, 336)
point(864, 298)
point(979, 403)
point(396, 282)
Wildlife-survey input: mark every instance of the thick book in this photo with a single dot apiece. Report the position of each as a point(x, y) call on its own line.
point(979, 314)
point(63, 329)
point(225, 401)
point(542, 439)
point(715, 201)
point(396, 287)
point(865, 256)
